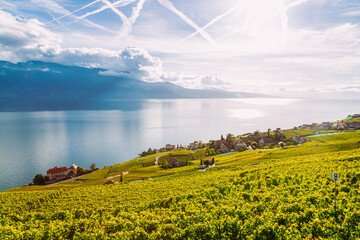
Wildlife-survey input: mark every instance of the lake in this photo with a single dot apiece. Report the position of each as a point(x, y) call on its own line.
point(33, 142)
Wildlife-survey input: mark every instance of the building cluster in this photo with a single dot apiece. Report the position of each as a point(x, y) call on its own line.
point(300, 140)
point(61, 173)
point(340, 125)
point(259, 139)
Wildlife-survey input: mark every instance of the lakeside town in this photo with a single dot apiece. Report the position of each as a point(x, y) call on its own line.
point(256, 140)
point(270, 139)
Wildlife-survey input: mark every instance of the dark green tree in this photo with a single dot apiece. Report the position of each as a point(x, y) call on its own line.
point(39, 179)
point(93, 167)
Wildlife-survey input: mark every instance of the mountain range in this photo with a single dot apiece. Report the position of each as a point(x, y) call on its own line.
point(38, 86)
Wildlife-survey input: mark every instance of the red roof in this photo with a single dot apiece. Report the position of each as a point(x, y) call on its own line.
point(56, 169)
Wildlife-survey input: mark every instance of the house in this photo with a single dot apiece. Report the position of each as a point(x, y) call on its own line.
point(223, 148)
point(183, 147)
point(195, 145)
point(174, 162)
point(266, 141)
point(209, 161)
point(239, 145)
point(326, 126)
point(61, 173)
point(300, 140)
point(170, 147)
point(110, 182)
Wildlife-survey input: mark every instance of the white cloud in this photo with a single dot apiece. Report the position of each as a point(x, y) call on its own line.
point(22, 39)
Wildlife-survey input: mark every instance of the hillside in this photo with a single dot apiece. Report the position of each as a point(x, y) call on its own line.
point(35, 85)
point(266, 194)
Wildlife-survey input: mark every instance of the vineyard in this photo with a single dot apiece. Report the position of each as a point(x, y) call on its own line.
point(263, 194)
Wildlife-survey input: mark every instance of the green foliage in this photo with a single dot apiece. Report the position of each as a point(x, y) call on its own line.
point(210, 152)
point(81, 171)
point(39, 179)
point(267, 194)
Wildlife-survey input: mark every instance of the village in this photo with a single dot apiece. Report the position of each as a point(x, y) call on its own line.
point(256, 140)
point(225, 145)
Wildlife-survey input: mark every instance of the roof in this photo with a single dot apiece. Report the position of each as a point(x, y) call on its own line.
point(73, 166)
point(56, 169)
point(110, 182)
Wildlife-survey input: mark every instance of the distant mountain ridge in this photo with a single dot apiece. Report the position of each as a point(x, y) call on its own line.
point(36, 85)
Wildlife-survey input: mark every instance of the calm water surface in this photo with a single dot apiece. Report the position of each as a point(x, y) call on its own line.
point(33, 142)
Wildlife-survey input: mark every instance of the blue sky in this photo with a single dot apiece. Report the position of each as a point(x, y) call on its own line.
point(279, 47)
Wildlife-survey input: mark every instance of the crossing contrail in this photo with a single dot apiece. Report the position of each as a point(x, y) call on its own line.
point(70, 13)
point(54, 19)
point(171, 7)
point(216, 19)
point(55, 7)
point(120, 3)
point(126, 26)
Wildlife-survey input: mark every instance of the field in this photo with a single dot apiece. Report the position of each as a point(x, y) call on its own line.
point(263, 194)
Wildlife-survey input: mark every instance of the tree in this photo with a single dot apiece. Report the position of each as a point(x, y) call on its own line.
point(269, 129)
point(254, 145)
point(81, 171)
point(230, 139)
point(39, 179)
point(210, 152)
point(93, 166)
point(257, 135)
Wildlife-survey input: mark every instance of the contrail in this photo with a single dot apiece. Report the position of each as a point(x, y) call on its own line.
point(216, 19)
point(136, 11)
point(70, 13)
point(291, 5)
point(120, 3)
point(126, 26)
point(283, 19)
point(355, 43)
point(171, 7)
point(99, 26)
point(54, 19)
point(55, 7)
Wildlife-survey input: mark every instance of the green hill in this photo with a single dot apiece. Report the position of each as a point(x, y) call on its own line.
point(266, 194)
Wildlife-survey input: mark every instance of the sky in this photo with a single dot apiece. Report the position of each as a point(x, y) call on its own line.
point(277, 47)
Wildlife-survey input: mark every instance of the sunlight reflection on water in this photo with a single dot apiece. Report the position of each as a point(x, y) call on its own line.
point(245, 114)
point(267, 101)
